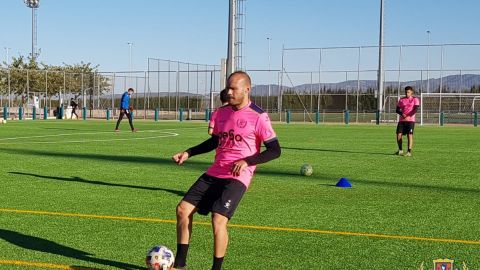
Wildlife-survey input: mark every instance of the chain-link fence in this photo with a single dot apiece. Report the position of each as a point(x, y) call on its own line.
point(314, 85)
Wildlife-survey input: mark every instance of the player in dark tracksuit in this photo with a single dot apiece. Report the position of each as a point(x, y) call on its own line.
point(125, 109)
point(74, 106)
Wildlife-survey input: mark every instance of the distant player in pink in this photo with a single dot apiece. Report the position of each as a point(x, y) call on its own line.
point(224, 100)
point(239, 130)
point(407, 108)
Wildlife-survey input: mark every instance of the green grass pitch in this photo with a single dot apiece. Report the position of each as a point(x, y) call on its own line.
point(60, 168)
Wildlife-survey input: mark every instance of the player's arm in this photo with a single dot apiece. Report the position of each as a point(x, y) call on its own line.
point(202, 148)
point(271, 152)
point(414, 111)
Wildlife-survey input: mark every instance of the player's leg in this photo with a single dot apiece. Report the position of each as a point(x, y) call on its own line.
point(410, 138)
point(195, 199)
point(222, 210)
point(122, 112)
point(185, 211)
point(129, 115)
point(220, 239)
point(399, 134)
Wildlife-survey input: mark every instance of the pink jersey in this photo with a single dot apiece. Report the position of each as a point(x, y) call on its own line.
point(211, 124)
point(241, 134)
point(406, 105)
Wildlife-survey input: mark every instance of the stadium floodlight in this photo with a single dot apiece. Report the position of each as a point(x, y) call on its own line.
point(33, 4)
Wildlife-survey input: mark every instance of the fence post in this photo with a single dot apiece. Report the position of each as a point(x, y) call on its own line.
point(207, 115)
point(45, 112)
point(108, 114)
point(475, 119)
point(442, 118)
point(317, 117)
point(289, 116)
point(61, 112)
point(34, 113)
point(157, 110)
point(20, 113)
point(5, 112)
point(180, 114)
point(347, 117)
point(377, 117)
point(84, 113)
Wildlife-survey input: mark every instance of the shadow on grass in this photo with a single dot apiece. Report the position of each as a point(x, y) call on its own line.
point(191, 163)
point(47, 246)
point(336, 151)
point(81, 180)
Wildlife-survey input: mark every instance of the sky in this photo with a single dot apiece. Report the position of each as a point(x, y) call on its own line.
point(97, 31)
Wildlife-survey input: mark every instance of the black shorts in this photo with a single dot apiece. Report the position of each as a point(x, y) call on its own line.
point(211, 194)
point(405, 127)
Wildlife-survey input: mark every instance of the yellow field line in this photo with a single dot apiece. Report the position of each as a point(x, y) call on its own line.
point(264, 228)
point(44, 265)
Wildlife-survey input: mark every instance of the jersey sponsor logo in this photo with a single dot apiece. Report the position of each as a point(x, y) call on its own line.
point(229, 138)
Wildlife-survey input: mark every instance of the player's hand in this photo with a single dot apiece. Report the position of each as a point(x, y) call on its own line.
point(238, 167)
point(179, 158)
point(404, 116)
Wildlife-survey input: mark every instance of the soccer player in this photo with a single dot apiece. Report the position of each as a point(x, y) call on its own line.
point(239, 130)
point(74, 106)
point(224, 100)
point(125, 109)
point(407, 108)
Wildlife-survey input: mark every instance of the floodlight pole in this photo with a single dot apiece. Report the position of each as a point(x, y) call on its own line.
point(7, 50)
point(130, 44)
point(428, 61)
point(380, 61)
point(269, 70)
point(231, 37)
point(33, 4)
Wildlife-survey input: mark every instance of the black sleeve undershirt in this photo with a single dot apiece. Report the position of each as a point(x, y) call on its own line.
point(204, 147)
point(399, 111)
point(414, 111)
point(271, 152)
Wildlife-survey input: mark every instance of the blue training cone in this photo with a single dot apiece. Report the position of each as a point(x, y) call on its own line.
point(343, 183)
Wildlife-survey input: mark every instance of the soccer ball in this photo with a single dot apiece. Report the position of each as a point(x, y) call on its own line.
point(160, 258)
point(4, 121)
point(306, 170)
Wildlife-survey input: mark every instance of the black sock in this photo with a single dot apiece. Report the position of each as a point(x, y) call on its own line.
point(409, 150)
point(400, 145)
point(181, 257)
point(217, 263)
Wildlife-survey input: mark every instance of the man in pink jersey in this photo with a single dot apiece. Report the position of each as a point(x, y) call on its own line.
point(224, 100)
point(407, 108)
point(240, 129)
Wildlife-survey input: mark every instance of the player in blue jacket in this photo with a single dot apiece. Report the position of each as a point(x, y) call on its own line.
point(126, 109)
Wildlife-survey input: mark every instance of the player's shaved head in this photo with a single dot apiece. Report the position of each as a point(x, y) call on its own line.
point(242, 75)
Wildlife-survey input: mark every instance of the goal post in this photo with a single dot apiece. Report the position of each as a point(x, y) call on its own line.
point(459, 108)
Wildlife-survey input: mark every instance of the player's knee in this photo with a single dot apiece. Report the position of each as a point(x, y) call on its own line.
point(183, 211)
point(219, 222)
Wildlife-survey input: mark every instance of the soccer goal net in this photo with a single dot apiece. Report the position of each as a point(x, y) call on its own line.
point(457, 108)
